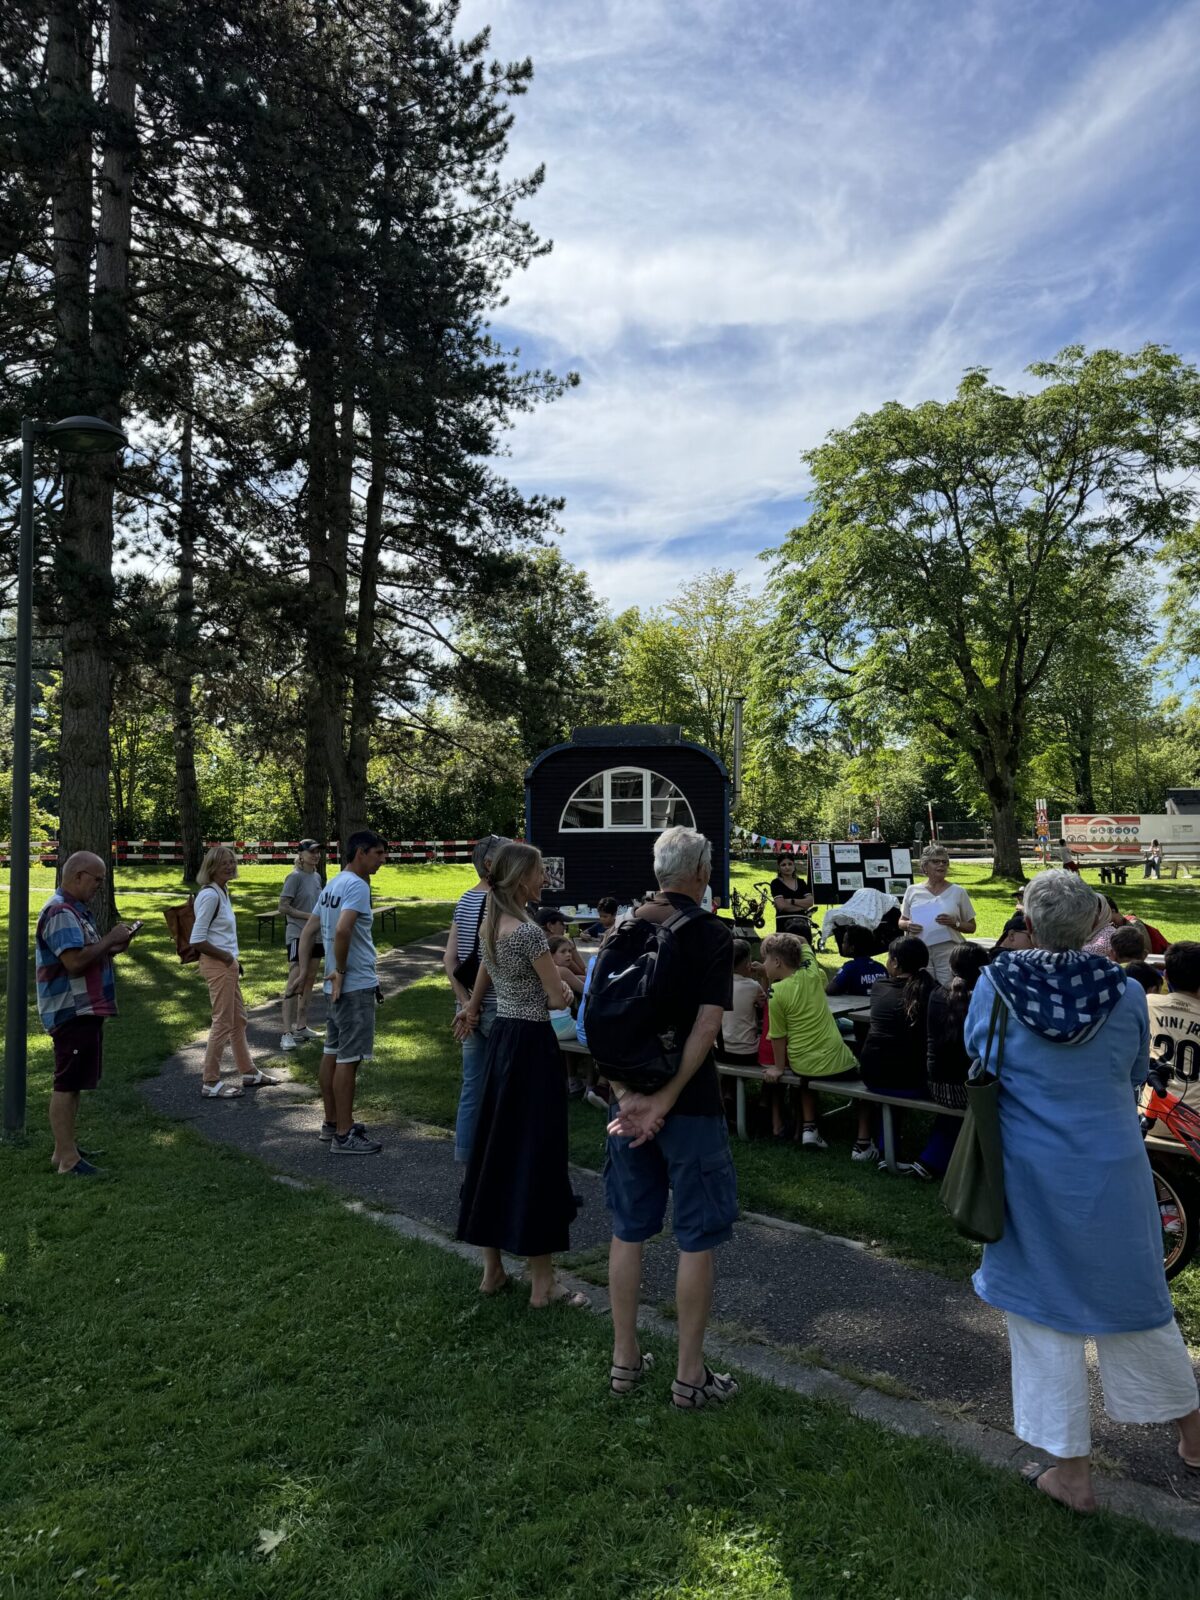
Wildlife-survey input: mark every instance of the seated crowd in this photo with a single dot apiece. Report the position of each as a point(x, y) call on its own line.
point(907, 1043)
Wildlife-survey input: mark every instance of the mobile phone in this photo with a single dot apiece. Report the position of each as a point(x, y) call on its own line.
point(136, 927)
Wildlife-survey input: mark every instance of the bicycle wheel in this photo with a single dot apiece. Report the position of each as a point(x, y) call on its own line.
point(1179, 1209)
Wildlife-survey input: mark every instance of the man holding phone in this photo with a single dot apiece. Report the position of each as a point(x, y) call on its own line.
point(76, 991)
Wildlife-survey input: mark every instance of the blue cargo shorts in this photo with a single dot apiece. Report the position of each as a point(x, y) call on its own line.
point(690, 1157)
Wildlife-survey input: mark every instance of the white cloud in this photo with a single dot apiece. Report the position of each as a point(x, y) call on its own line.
point(767, 218)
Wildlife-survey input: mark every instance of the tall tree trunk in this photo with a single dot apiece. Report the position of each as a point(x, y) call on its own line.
point(187, 789)
point(87, 537)
point(337, 685)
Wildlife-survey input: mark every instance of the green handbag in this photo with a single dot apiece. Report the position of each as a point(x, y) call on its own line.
point(973, 1188)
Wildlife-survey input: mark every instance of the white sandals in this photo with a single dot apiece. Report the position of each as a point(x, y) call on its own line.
point(220, 1091)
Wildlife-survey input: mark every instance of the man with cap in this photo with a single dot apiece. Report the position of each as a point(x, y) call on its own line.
point(300, 890)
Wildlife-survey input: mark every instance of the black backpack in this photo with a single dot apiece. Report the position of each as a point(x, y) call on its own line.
point(638, 969)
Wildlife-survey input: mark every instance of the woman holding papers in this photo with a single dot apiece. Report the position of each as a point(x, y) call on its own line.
point(938, 912)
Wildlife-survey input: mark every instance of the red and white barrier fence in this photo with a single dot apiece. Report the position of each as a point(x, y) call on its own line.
point(170, 851)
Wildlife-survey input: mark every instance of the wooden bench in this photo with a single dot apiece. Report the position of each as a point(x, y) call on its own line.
point(268, 917)
point(852, 1088)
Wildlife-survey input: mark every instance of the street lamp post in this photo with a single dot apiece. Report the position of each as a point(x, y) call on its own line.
point(77, 436)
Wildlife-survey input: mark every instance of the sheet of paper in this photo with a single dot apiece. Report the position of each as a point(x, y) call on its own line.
point(850, 880)
point(927, 913)
point(902, 863)
point(822, 864)
point(877, 868)
point(847, 855)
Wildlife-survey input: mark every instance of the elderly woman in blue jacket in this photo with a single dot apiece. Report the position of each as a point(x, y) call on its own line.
point(1081, 1254)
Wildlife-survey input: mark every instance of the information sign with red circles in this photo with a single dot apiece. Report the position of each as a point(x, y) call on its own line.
point(1103, 836)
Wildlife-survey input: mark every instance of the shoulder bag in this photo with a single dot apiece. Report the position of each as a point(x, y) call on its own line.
point(180, 922)
point(467, 969)
point(973, 1188)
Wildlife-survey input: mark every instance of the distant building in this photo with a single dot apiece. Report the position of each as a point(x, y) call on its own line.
point(595, 806)
point(1183, 802)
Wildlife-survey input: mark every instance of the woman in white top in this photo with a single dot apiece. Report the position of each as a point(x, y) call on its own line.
point(938, 912)
point(215, 937)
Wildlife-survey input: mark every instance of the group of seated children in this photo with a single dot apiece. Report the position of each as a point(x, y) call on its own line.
point(912, 1049)
point(568, 1022)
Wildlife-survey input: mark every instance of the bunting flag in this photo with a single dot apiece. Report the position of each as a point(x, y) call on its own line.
point(750, 838)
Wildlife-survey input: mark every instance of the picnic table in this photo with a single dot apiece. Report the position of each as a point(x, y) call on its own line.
point(385, 912)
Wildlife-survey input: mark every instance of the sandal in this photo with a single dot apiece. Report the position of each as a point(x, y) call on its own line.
point(258, 1080)
point(220, 1091)
point(629, 1376)
point(715, 1390)
point(564, 1297)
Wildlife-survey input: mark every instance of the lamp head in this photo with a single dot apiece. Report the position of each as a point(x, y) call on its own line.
point(86, 436)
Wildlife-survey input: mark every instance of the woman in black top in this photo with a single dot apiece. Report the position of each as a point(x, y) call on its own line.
point(791, 898)
point(947, 1062)
point(893, 1053)
point(893, 1059)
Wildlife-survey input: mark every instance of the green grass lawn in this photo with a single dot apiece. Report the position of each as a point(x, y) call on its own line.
point(202, 1364)
point(217, 1386)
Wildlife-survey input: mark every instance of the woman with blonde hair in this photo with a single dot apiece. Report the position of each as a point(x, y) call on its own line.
point(215, 937)
point(937, 912)
point(517, 1192)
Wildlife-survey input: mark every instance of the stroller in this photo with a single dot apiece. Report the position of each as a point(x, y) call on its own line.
point(866, 908)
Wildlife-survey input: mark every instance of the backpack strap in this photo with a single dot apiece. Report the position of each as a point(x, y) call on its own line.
point(681, 915)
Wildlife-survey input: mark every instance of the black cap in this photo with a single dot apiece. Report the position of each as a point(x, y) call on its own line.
point(549, 914)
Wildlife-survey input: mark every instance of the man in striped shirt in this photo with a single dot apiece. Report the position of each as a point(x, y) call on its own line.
point(76, 991)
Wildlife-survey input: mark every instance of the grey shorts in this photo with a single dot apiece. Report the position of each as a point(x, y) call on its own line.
point(350, 1027)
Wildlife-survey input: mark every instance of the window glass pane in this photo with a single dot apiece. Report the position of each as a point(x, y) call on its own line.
point(593, 789)
point(627, 785)
point(661, 788)
point(584, 814)
point(671, 813)
point(627, 814)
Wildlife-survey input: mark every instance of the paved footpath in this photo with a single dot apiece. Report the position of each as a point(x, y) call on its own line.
point(914, 1350)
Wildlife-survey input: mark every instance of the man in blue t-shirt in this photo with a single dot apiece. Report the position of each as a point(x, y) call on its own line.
point(342, 923)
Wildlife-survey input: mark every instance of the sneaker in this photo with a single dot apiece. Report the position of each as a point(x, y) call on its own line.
point(354, 1144)
point(288, 1041)
point(864, 1152)
point(922, 1172)
point(306, 1035)
point(593, 1099)
point(328, 1129)
point(811, 1139)
point(903, 1168)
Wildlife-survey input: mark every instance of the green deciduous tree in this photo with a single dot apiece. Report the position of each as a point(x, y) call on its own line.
point(954, 549)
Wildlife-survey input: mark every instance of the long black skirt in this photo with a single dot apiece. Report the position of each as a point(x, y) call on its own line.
point(517, 1192)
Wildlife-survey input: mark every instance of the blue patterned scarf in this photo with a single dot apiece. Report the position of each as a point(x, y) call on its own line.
point(1065, 995)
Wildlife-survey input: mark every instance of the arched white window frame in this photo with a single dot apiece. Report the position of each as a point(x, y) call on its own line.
point(623, 800)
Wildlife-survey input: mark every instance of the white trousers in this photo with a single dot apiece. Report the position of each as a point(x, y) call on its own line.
point(1146, 1377)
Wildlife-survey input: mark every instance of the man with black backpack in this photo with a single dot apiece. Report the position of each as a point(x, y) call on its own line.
point(661, 983)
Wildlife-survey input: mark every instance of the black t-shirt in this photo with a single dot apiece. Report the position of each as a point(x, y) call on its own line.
point(800, 892)
point(893, 1053)
point(706, 946)
point(947, 1060)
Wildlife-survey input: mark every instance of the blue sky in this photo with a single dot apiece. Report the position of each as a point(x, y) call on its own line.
point(769, 215)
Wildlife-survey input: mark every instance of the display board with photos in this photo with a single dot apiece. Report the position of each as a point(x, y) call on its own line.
point(838, 868)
